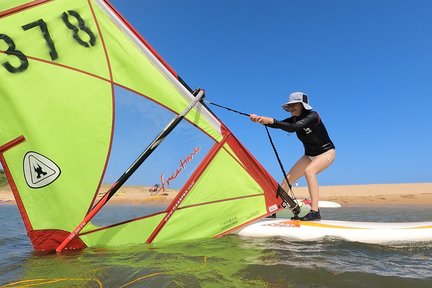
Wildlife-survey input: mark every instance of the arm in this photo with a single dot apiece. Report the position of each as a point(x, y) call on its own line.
point(290, 126)
point(261, 119)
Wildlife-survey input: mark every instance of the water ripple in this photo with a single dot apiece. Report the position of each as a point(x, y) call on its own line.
point(231, 261)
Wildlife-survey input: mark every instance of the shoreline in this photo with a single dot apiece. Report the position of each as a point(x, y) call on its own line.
point(418, 194)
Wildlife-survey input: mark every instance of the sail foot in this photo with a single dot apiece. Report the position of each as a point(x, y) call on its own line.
point(48, 240)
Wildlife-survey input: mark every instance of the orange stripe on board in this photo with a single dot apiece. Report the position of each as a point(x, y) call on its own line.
point(419, 227)
point(298, 223)
point(321, 225)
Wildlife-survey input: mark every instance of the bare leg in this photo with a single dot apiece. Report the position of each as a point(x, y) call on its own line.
point(297, 171)
point(317, 165)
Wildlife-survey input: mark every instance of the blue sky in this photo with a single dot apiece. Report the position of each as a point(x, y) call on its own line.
point(366, 66)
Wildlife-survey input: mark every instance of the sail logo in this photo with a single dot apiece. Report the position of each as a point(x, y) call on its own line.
point(182, 166)
point(39, 171)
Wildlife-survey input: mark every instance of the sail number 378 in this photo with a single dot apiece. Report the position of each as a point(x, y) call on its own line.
point(23, 65)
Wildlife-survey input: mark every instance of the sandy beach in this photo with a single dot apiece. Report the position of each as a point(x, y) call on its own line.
point(374, 194)
point(127, 195)
point(352, 195)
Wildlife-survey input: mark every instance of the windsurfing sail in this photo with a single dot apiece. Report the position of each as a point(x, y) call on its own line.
point(66, 67)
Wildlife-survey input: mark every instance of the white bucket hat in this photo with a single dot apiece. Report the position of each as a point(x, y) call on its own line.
point(297, 97)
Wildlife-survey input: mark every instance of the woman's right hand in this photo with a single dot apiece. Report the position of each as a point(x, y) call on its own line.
point(261, 119)
point(254, 117)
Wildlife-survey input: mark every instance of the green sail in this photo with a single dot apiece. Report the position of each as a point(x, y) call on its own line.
point(61, 61)
point(48, 102)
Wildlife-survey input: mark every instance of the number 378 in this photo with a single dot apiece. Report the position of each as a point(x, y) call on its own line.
point(13, 51)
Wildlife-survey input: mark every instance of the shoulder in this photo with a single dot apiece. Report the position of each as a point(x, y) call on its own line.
point(317, 115)
point(312, 118)
point(312, 115)
point(287, 120)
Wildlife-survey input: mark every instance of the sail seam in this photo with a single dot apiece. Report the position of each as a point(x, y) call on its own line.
point(121, 223)
point(16, 194)
point(237, 227)
point(112, 101)
point(187, 187)
point(64, 66)
point(158, 213)
point(157, 61)
point(22, 7)
point(12, 144)
point(166, 107)
point(221, 200)
point(257, 172)
point(142, 40)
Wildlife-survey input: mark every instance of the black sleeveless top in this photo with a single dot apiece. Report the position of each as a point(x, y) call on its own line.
point(309, 129)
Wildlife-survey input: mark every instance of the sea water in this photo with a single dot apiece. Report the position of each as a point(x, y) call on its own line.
point(231, 261)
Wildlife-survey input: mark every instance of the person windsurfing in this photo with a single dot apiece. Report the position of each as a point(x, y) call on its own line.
point(319, 149)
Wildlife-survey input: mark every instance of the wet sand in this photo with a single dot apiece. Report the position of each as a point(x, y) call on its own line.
point(352, 195)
